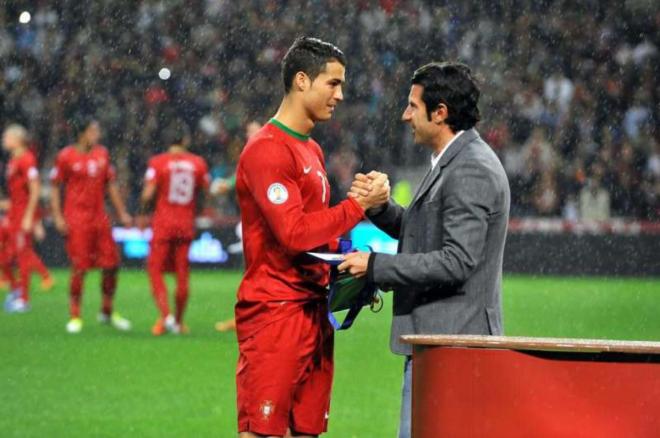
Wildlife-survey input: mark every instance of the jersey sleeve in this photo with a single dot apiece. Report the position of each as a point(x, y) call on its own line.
point(272, 181)
point(151, 174)
point(31, 171)
point(59, 173)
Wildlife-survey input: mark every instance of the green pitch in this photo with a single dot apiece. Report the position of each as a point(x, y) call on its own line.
point(102, 383)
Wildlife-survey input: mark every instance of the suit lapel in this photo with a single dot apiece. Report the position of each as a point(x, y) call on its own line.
point(449, 154)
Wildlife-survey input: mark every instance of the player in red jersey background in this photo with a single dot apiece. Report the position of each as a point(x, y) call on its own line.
point(176, 180)
point(285, 366)
point(23, 188)
point(85, 171)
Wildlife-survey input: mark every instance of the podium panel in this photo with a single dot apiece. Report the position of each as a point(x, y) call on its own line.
point(483, 386)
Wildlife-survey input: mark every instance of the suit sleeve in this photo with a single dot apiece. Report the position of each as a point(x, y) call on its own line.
point(466, 206)
point(388, 218)
point(272, 180)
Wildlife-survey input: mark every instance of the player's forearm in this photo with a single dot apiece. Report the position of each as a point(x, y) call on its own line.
point(115, 199)
point(56, 201)
point(34, 188)
point(306, 231)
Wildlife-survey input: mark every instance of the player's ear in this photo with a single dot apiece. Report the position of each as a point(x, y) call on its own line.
point(301, 81)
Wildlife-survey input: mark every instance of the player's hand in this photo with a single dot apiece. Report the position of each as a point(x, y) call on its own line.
point(371, 190)
point(126, 220)
point(219, 186)
point(60, 225)
point(26, 224)
point(355, 263)
point(142, 221)
point(39, 232)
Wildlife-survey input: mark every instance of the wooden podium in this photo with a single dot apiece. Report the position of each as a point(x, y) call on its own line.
point(493, 386)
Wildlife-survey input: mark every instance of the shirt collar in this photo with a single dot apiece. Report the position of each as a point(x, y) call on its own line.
point(435, 158)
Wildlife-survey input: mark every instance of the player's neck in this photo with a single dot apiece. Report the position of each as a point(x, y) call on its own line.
point(293, 116)
point(83, 146)
point(17, 152)
point(176, 149)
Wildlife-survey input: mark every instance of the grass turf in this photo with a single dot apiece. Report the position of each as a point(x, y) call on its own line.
point(102, 383)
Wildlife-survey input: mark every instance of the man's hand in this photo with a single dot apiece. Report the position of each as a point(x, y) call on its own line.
point(26, 224)
point(39, 232)
point(142, 221)
point(61, 226)
point(355, 263)
point(126, 219)
point(219, 186)
point(371, 190)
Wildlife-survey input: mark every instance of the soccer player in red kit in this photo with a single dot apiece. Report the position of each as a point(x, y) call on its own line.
point(285, 365)
point(85, 170)
point(177, 180)
point(23, 187)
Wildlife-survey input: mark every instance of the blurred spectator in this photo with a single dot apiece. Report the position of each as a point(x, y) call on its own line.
point(594, 199)
point(565, 83)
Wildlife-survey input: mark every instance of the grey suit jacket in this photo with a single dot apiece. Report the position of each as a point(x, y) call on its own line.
point(447, 273)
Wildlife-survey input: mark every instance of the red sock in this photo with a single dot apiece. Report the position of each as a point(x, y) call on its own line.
point(159, 290)
point(8, 271)
point(77, 276)
point(182, 276)
point(24, 274)
point(37, 264)
point(108, 286)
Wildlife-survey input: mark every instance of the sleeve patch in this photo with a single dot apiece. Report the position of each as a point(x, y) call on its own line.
point(277, 193)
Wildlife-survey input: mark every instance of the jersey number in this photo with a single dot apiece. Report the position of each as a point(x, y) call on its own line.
point(323, 184)
point(182, 187)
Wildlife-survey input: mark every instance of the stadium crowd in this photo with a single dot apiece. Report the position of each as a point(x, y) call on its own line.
point(570, 92)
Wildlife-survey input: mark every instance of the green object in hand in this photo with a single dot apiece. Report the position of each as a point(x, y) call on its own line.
point(347, 291)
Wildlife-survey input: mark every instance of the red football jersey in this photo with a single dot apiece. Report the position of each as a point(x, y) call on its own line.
point(20, 171)
point(179, 176)
point(86, 176)
point(284, 194)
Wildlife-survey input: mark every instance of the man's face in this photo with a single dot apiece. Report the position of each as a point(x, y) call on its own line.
point(93, 133)
point(325, 92)
point(10, 141)
point(416, 116)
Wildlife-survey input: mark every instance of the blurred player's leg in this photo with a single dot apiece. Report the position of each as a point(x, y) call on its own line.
point(36, 264)
point(108, 260)
point(77, 277)
point(22, 244)
point(158, 254)
point(108, 289)
point(79, 248)
point(182, 268)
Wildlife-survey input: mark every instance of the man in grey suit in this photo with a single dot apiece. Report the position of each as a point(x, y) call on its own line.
point(447, 273)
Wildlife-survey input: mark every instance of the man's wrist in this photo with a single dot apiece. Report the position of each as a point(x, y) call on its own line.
point(375, 211)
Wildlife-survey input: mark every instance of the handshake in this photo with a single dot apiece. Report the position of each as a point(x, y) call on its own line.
point(371, 190)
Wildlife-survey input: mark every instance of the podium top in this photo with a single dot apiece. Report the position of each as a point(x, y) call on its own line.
point(536, 344)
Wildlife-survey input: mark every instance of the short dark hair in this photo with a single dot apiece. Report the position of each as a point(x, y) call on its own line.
point(78, 123)
point(177, 132)
point(452, 84)
point(308, 55)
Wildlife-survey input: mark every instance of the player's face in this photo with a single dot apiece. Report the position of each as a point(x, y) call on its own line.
point(325, 92)
point(10, 141)
point(93, 133)
point(424, 130)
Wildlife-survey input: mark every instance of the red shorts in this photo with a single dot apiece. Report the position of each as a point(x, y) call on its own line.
point(284, 374)
point(169, 255)
point(91, 246)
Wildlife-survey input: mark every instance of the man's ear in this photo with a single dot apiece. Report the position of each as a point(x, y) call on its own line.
point(301, 81)
point(440, 114)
